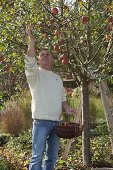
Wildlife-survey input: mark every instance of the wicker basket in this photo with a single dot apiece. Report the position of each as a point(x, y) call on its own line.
point(68, 130)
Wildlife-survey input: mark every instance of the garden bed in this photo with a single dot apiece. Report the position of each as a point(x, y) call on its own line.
point(105, 168)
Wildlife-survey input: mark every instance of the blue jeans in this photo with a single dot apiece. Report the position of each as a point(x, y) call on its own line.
point(43, 135)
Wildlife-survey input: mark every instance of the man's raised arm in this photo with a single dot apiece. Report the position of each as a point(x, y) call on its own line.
point(30, 60)
point(31, 42)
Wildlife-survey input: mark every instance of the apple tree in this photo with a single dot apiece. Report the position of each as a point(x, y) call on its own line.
point(79, 34)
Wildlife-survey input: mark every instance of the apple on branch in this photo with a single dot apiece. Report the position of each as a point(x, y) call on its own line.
point(57, 48)
point(64, 59)
point(54, 11)
point(57, 32)
point(2, 58)
point(110, 19)
point(109, 28)
point(63, 56)
point(85, 19)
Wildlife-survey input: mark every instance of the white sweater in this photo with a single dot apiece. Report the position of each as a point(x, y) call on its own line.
point(46, 89)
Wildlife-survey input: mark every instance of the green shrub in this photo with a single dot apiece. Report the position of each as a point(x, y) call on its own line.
point(21, 143)
point(100, 130)
point(101, 150)
point(96, 110)
point(18, 151)
point(4, 138)
point(3, 165)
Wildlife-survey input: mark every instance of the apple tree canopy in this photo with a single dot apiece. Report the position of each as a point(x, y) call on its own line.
point(81, 30)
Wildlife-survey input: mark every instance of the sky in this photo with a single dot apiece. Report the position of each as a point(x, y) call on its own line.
point(69, 1)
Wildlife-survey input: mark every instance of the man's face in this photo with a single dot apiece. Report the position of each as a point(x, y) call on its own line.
point(46, 60)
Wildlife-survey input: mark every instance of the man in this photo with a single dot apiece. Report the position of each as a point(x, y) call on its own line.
point(48, 100)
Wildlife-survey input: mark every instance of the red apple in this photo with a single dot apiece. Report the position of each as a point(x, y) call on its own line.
point(85, 19)
point(110, 19)
point(57, 32)
point(54, 11)
point(109, 28)
point(65, 61)
point(57, 48)
point(63, 56)
point(2, 58)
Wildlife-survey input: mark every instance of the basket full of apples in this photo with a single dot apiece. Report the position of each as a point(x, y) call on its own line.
point(68, 130)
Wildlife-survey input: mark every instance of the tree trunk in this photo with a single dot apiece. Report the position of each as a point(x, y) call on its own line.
point(85, 122)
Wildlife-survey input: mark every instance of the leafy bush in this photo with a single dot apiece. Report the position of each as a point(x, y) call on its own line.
point(96, 110)
point(101, 149)
point(100, 130)
point(22, 142)
point(3, 165)
point(18, 151)
point(4, 138)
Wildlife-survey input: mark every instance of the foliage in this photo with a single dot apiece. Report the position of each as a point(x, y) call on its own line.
point(101, 129)
point(84, 36)
point(4, 138)
point(18, 152)
point(78, 40)
point(96, 110)
point(22, 142)
point(3, 165)
point(110, 82)
point(101, 152)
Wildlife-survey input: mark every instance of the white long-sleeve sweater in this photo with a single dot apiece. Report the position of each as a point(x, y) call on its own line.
point(46, 89)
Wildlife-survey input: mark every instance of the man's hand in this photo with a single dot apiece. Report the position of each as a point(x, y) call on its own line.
point(68, 109)
point(31, 44)
point(71, 110)
point(29, 29)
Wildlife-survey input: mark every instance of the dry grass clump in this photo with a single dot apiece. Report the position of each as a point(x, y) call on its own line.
point(11, 118)
point(16, 115)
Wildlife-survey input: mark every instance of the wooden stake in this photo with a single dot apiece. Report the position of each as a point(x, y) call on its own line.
point(108, 107)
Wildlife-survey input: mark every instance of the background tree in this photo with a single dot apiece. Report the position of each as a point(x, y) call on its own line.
point(79, 34)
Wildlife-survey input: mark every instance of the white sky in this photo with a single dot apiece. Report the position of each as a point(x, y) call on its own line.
point(69, 1)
